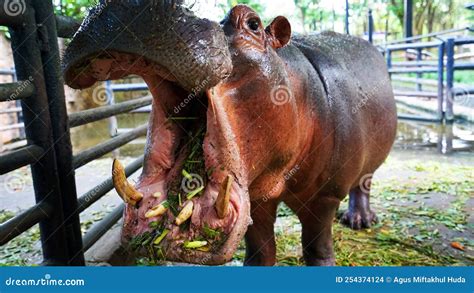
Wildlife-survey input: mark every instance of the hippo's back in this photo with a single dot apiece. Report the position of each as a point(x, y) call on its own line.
point(359, 99)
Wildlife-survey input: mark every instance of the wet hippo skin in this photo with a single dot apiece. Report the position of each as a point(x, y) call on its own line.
point(276, 117)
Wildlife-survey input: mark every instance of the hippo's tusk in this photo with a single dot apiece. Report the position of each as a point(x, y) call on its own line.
point(223, 198)
point(157, 210)
point(124, 189)
point(185, 213)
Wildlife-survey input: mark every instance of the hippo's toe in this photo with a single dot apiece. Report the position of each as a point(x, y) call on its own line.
point(358, 220)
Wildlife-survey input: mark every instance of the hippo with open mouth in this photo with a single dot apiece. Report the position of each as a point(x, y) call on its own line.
point(243, 118)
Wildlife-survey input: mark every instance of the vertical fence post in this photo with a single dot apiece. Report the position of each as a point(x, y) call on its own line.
point(60, 128)
point(440, 81)
point(371, 26)
point(408, 18)
point(388, 54)
point(110, 101)
point(346, 20)
point(419, 75)
point(449, 79)
point(38, 129)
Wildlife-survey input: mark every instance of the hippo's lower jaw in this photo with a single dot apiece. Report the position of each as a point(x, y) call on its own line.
point(191, 203)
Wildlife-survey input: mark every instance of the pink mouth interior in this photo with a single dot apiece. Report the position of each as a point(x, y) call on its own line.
point(183, 135)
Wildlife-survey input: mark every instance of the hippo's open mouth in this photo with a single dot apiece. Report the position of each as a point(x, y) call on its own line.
point(191, 203)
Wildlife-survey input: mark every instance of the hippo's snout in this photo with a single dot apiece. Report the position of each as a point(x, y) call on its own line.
point(162, 33)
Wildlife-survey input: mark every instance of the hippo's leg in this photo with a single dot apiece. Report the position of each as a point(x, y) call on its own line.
point(359, 215)
point(317, 218)
point(260, 236)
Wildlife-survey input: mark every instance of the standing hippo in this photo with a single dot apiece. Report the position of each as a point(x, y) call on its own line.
point(243, 118)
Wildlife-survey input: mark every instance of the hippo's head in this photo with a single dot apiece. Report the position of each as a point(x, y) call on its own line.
point(206, 147)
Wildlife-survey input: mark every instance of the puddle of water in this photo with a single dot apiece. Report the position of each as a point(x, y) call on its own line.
point(435, 137)
point(90, 135)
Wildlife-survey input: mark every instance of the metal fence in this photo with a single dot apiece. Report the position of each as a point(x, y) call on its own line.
point(34, 34)
point(435, 57)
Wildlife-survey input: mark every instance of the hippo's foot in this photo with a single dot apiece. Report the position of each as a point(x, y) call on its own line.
point(359, 219)
point(359, 215)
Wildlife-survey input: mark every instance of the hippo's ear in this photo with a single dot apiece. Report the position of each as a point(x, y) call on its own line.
point(279, 32)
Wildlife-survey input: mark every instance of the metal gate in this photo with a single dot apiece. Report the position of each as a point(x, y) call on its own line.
point(34, 33)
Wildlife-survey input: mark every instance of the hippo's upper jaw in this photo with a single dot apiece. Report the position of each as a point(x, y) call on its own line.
point(191, 203)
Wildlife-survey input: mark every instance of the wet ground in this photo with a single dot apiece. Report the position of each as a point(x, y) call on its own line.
point(423, 195)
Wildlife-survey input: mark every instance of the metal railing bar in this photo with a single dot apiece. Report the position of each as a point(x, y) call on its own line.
point(415, 63)
point(7, 71)
point(418, 118)
point(413, 46)
point(10, 110)
point(99, 229)
point(101, 149)
point(11, 127)
point(103, 188)
point(415, 94)
point(464, 66)
point(419, 37)
point(129, 87)
point(18, 158)
point(24, 221)
point(92, 115)
point(413, 70)
point(424, 81)
point(463, 41)
point(16, 90)
point(66, 26)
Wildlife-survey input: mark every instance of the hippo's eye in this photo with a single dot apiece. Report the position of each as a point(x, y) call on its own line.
point(253, 24)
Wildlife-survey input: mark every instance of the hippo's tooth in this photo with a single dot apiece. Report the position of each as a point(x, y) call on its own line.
point(185, 213)
point(223, 198)
point(124, 189)
point(157, 210)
